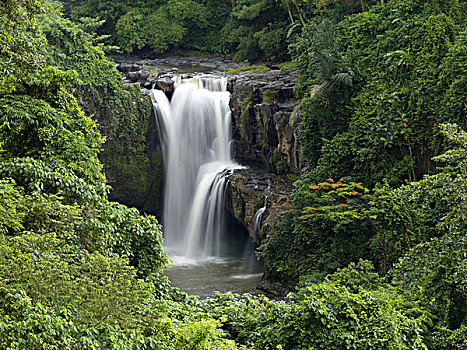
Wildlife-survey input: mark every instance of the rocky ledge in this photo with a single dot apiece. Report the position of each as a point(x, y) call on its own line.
point(251, 191)
point(159, 72)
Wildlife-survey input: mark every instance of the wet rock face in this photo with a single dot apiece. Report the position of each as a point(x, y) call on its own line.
point(288, 141)
point(262, 105)
point(247, 192)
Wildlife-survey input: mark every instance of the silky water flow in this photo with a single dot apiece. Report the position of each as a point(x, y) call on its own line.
point(195, 131)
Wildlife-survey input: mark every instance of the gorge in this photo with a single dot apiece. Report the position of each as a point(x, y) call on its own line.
point(261, 104)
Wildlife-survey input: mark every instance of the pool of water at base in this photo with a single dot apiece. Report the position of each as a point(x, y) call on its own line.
point(204, 276)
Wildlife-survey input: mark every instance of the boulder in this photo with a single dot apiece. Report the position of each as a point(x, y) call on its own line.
point(165, 84)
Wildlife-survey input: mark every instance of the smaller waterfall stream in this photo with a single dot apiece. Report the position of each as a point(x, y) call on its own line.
point(256, 222)
point(258, 216)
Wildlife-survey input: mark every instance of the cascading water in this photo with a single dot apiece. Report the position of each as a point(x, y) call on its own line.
point(258, 216)
point(195, 129)
point(256, 222)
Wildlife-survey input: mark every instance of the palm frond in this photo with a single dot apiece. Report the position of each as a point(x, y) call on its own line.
point(319, 89)
point(342, 79)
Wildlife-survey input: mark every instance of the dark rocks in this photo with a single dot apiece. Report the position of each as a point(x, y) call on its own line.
point(148, 84)
point(273, 289)
point(127, 67)
point(262, 105)
point(141, 74)
point(247, 192)
point(165, 84)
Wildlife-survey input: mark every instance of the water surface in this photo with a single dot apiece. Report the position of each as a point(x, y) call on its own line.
point(237, 272)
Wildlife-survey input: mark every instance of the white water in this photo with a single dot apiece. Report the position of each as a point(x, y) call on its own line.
point(256, 222)
point(258, 216)
point(195, 128)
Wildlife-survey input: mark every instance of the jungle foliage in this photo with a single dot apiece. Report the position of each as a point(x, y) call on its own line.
point(377, 89)
point(375, 245)
point(383, 113)
point(249, 29)
point(132, 163)
point(76, 271)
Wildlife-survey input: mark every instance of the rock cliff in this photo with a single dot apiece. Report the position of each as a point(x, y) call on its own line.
point(262, 105)
point(266, 141)
point(131, 155)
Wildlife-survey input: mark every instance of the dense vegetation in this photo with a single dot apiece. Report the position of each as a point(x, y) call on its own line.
point(382, 108)
point(377, 89)
point(375, 245)
point(76, 271)
point(249, 29)
point(131, 163)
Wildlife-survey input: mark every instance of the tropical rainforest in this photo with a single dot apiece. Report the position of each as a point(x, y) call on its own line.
point(375, 246)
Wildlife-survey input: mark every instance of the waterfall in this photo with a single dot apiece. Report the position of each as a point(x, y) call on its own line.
point(256, 225)
point(256, 222)
point(195, 132)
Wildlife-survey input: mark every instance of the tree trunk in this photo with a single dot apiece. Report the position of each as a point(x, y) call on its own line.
point(299, 12)
point(290, 13)
point(385, 255)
